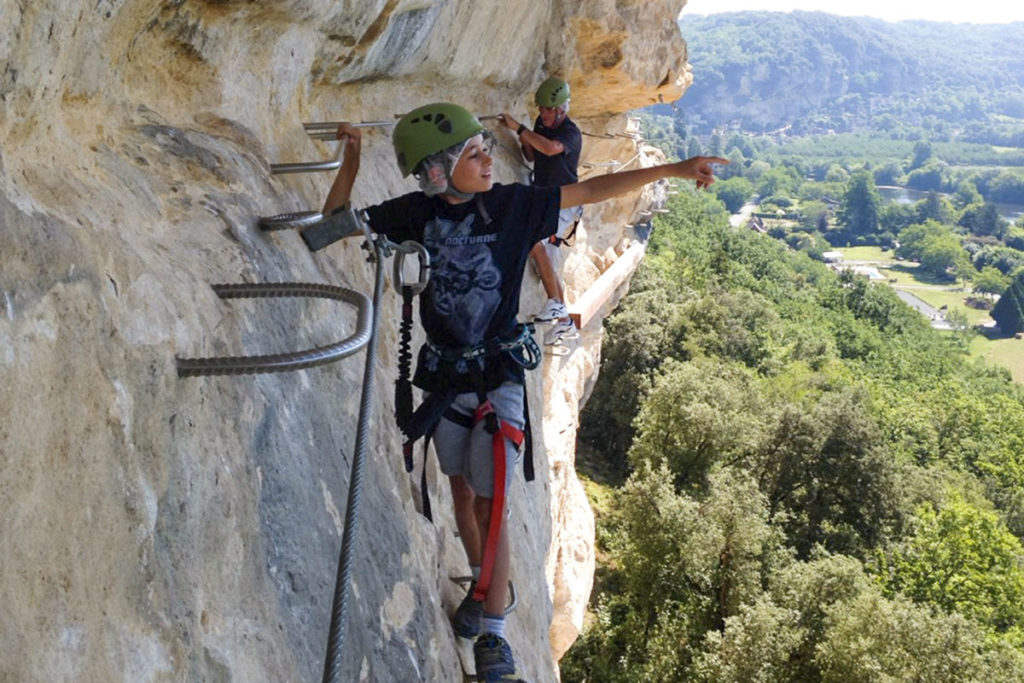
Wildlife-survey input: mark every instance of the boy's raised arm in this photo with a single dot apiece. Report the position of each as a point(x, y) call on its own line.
point(341, 190)
point(603, 187)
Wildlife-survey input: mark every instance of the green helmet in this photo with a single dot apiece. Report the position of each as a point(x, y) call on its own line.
point(552, 93)
point(429, 129)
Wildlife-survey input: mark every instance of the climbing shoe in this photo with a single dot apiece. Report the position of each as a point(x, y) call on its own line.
point(466, 620)
point(553, 310)
point(494, 662)
point(561, 332)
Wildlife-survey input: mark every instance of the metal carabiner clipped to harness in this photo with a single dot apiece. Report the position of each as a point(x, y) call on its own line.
point(402, 250)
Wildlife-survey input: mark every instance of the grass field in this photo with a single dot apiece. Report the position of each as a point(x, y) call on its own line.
point(1007, 353)
point(873, 254)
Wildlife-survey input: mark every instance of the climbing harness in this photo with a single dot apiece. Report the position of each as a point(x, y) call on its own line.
point(523, 349)
point(365, 335)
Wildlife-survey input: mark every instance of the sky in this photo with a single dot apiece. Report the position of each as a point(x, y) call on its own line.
point(960, 11)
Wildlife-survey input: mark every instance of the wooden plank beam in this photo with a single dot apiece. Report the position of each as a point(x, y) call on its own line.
point(590, 304)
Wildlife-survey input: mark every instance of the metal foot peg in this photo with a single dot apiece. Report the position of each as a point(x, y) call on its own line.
point(288, 221)
point(321, 355)
point(329, 230)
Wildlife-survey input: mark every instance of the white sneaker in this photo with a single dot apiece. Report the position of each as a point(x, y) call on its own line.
point(553, 311)
point(561, 332)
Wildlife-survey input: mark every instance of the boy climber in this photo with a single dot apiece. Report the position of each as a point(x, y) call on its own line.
point(479, 235)
point(554, 147)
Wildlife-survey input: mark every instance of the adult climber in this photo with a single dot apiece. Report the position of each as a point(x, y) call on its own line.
point(554, 147)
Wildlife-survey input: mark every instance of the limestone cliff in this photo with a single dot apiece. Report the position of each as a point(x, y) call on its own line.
point(157, 528)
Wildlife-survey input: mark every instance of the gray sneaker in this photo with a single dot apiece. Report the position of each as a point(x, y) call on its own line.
point(466, 620)
point(561, 332)
point(494, 662)
point(553, 310)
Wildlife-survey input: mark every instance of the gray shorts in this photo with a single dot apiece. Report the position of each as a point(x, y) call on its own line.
point(470, 452)
point(566, 219)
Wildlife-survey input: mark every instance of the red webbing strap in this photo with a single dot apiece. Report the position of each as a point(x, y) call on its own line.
point(506, 431)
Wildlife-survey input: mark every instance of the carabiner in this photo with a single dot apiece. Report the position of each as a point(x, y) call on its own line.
point(398, 276)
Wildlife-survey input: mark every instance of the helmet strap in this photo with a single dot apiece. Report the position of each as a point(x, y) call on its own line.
point(451, 158)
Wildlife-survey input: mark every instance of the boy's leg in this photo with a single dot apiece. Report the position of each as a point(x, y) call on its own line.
point(452, 442)
point(497, 594)
point(465, 518)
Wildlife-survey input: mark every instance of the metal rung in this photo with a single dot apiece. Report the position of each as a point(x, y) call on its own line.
point(328, 130)
point(333, 125)
point(310, 166)
point(321, 355)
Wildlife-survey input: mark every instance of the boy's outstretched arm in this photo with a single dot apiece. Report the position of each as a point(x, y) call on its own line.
point(603, 187)
point(341, 190)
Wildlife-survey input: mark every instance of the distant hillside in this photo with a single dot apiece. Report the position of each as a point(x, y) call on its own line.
point(815, 72)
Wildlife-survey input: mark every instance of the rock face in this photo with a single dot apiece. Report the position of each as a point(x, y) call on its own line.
point(158, 528)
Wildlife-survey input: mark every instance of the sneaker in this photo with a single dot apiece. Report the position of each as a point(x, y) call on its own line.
point(466, 620)
point(553, 311)
point(561, 332)
point(494, 662)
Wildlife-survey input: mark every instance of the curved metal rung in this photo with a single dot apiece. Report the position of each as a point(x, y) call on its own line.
point(311, 166)
point(513, 598)
point(321, 355)
point(287, 221)
point(402, 250)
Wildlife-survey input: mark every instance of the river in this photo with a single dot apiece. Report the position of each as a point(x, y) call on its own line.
point(906, 195)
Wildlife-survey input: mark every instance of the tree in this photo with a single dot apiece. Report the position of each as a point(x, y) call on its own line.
point(814, 216)
point(889, 173)
point(697, 415)
point(922, 154)
point(912, 239)
point(836, 174)
point(936, 207)
point(693, 147)
point(737, 163)
point(778, 180)
point(931, 176)
point(966, 194)
point(990, 281)
point(861, 205)
point(984, 220)
point(962, 559)
point(734, 192)
point(943, 255)
point(1009, 310)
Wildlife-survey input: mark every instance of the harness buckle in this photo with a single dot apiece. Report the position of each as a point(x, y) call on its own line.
point(485, 411)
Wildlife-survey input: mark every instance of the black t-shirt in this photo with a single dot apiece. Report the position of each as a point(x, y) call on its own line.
point(476, 270)
point(558, 169)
